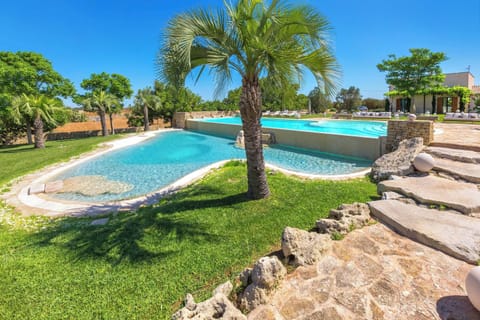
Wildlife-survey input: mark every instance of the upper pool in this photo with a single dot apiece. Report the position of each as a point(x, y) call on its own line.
point(359, 128)
point(164, 159)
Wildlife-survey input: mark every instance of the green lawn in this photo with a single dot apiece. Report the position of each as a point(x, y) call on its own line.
point(18, 160)
point(141, 264)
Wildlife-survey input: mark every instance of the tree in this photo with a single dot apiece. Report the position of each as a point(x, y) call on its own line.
point(39, 108)
point(112, 84)
point(251, 38)
point(100, 101)
point(349, 99)
point(27, 73)
point(374, 104)
point(318, 101)
point(147, 100)
point(414, 74)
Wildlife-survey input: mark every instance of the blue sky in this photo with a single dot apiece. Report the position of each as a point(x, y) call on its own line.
point(91, 36)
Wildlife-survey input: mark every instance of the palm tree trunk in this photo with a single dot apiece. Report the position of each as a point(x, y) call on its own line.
point(146, 124)
point(29, 132)
point(112, 129)
point(251, 112)
point(38, 125)
point(103, 122)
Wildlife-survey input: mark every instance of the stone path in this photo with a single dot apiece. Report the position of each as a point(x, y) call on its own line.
point(452, 233)
point(374, 274)
point(430, 189)
point(468, 171)
point(451, 134)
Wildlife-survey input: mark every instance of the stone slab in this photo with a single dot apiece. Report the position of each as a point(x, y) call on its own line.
point(454, 234)
point(454, 154)
point(464, 197)
point(466, 171)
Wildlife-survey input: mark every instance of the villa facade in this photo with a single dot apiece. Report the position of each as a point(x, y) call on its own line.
point(443, 103)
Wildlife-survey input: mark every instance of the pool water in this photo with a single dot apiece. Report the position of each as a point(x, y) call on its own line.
point(160, 161)
point(360, 128)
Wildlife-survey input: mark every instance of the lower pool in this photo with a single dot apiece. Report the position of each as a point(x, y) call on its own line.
point(160, 161)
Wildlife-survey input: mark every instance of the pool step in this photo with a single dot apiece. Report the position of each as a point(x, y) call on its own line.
point(454, 234)
point(464, 197)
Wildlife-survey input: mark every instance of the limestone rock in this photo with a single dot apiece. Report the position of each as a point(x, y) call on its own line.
point(344, 219)
point(424, 162)
point(253, 297)
point(225, 289)
point(265, 275)
point(246, 277)
point(217, 307)
point(267, 272)
point(305, 247)
point(398, 162)
point(240, 141)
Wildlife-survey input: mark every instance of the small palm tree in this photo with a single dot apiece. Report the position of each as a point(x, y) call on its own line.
point(252, 38)
point(39, 108)
point(146, 99)
point(101, 102)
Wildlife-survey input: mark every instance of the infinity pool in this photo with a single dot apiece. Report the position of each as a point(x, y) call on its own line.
point(160, 161)
point(360, 128)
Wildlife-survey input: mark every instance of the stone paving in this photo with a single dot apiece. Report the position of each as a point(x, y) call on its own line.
point(374, 273)
point(462, 134)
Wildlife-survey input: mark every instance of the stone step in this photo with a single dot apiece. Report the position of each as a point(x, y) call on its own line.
point(464, 170)
point(454, 154)
point(464, 197)
point(454, 234)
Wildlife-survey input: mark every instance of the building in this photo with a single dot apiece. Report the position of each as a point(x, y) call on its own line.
point(444, 102)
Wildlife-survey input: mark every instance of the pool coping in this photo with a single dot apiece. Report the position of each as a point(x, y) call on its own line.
point(44, 205)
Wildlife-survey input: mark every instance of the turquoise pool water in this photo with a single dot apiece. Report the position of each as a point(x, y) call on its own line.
point(360, 128)
point(160, 161)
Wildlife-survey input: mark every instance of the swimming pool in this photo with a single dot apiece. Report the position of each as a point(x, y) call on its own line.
point(359, 128)
point(162, 160)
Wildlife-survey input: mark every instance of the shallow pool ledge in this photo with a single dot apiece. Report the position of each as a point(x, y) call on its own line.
point(352, 146)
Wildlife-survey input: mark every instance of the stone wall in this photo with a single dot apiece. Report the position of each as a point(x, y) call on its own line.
point(179, 118)
point(399, 130)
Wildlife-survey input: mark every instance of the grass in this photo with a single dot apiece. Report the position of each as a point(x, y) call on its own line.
point(141, 264)
point(18, 160)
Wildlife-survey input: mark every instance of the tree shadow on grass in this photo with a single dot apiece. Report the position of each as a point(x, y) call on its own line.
point(153, 232)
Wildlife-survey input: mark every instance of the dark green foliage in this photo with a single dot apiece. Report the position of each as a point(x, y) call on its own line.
point(411, 75)
point(348, 99)
point(319, 101)
point(374, 104)
point(31, 74)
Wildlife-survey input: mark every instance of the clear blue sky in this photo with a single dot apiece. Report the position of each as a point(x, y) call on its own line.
point(91, 36)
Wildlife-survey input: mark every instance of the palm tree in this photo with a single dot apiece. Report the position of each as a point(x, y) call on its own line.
point(39, 108)
point(252, 38)
point(146, 99)
point(101, 102)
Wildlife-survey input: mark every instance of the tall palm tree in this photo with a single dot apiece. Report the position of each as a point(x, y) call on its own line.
point(40, 108)
point(146, 99)
point(252, 38)
point(101, 102)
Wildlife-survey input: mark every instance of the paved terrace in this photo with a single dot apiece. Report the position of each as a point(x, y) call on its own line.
point(374, 273)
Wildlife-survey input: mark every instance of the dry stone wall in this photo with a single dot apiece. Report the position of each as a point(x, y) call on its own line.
point(399, 130)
